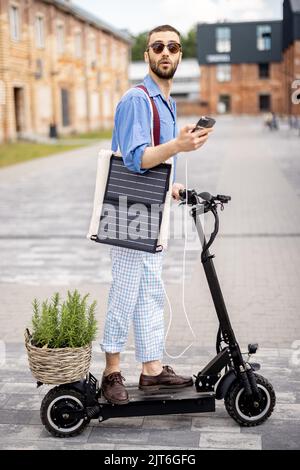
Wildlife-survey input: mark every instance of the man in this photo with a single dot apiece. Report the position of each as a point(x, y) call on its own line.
point(137, 292)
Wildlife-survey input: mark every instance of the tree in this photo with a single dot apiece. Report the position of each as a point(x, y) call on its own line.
point(189, 44)
point(139, 46)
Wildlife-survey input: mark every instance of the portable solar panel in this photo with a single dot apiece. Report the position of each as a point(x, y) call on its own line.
point(132, 206)
point(133, 203)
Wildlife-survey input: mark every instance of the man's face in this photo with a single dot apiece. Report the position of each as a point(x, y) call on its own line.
point(165, 64)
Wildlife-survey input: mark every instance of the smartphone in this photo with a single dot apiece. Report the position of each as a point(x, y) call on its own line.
point(204, 122)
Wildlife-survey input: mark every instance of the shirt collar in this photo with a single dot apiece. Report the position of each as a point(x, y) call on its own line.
point(153, 88)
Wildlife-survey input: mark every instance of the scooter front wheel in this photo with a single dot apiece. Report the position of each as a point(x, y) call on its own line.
point(60, 412)
point(247, 411)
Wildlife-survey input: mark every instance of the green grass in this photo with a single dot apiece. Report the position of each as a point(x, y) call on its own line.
point(18, 152)
point(103, 134)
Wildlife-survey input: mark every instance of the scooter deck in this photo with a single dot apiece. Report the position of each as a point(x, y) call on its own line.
point(176, 401)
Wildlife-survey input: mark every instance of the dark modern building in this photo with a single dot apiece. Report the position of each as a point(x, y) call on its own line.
point(244, 65)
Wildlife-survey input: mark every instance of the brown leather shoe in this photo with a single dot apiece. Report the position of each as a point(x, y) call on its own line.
point(167, 379)
point(113, 389)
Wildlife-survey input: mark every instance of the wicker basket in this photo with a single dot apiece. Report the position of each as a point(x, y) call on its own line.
point(59, 365)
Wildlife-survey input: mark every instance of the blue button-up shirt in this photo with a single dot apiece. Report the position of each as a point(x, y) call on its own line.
point(132, 131)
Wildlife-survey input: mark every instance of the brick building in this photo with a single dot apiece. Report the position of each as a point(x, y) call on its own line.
point(249, 67)
point(58, 65)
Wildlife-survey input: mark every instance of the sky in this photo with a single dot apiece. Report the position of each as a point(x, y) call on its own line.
point(138, 16)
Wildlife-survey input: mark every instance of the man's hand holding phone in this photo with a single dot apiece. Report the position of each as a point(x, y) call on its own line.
point(192, 137)
point(204, 122)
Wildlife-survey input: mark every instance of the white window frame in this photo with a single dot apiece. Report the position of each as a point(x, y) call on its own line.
point(14, 22)
point(124, 58)
point(223, 73)
point(93, 47)
point(104, 50)
point(40, 31)
point(223, 41)
point(60, 37)
point(78, 50)
point(261, 42)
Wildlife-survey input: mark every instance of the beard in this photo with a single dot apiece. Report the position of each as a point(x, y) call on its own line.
point(164, 74)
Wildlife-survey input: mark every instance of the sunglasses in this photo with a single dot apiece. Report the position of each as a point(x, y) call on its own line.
point(158, 47)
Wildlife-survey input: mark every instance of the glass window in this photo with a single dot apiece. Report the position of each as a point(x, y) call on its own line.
point(65, 108)
point(104, 51)
point(93, 49)
point(224, 72)
point(264, 37)
point(264, 102)
point(39, 32)
point(39, 69)
point(14, 19)
point(115, 55)
point(264, 70)
point(78, 45)
point(125, 58)
point(60, 37)
point(223, 39)
point(224, 104)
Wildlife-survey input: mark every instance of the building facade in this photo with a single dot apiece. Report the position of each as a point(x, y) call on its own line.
point(60, 68)
point(241, 67)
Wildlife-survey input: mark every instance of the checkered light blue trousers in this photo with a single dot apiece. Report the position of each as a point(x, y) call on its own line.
point(136, 294)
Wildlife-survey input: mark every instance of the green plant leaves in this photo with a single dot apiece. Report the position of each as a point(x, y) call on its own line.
point(71, 323)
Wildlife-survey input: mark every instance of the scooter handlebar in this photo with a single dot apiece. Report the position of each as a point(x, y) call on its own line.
point(191, 196)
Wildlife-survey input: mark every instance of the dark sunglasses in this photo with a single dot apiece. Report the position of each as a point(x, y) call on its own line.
point(158, 47)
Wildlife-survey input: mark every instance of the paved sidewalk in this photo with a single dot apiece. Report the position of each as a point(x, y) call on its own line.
point(45, 206)
point(21, 426)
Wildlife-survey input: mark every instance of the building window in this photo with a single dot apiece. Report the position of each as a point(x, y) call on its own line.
point(224, 104)
point(60, 38)
point(224, 72)
point(264, 70)
point(125, 58)
point(65, 111)
point(264, 37)
point(264, 102)
point(114, 55)
point(78, 45)
point(104, 51)
point(39, 32)
point(39, 69)
point(93, 52)
point(107, 105)
point(223, 39)
point(14, 18)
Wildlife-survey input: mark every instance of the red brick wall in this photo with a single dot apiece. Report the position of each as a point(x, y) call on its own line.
point(244, 88)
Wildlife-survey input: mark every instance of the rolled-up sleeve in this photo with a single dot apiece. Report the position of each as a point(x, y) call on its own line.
point(133, 130)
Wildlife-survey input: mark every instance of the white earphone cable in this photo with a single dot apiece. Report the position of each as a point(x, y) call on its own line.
point(183, 278)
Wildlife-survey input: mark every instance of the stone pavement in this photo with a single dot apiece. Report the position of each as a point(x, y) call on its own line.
point(45, 206)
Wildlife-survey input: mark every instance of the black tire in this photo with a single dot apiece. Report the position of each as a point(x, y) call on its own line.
point(52, 418)
point(243, 411)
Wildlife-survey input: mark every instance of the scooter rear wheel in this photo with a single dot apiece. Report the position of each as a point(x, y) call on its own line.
point(56, 412)
point(246, 411)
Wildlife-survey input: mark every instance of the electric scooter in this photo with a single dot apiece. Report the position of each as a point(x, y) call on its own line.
point(249, 398)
